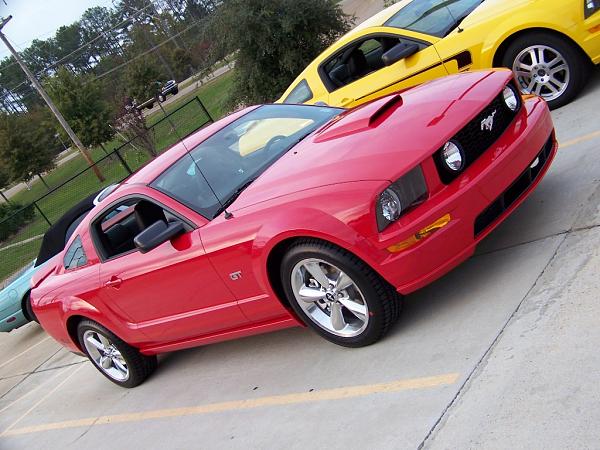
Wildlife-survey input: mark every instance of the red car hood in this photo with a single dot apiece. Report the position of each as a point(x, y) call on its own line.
point(381, 140)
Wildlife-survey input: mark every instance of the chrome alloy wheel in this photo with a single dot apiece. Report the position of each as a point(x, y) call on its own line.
point(330, 298)
point(105, 355)
point(543, 71)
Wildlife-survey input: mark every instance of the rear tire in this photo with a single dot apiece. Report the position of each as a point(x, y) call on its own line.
point(28, 310)
point(118, 361)
point(549, 66)
point(355, 309)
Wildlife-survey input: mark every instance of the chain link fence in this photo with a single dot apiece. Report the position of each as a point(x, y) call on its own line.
point(22, 231)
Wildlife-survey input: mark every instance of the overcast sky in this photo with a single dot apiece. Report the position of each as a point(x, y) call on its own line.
point(39, 19)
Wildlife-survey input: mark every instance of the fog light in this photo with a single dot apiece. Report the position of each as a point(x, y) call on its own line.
point(453, 156)
point(510, 98)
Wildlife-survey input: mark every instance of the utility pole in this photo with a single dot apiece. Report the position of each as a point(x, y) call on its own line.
point(84, 151)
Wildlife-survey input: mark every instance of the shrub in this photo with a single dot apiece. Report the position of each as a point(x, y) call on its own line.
point(13, 217)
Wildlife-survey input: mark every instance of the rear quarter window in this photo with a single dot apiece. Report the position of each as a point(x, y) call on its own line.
point(300, 94)
point(75, 256)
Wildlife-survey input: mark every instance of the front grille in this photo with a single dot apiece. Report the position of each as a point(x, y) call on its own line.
point(475, 138)
point(515, 191)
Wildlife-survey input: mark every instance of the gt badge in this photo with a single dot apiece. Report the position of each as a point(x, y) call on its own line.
point(488, 122)
point(235, 275)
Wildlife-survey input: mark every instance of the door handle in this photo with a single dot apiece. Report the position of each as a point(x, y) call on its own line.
point(114, 282)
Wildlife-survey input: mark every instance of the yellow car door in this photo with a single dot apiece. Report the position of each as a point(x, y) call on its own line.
point(379, 61)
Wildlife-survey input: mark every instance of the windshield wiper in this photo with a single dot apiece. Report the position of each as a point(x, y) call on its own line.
point(234, 196)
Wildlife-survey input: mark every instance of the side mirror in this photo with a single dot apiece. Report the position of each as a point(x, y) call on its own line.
point(156, 234)
point(399, 52)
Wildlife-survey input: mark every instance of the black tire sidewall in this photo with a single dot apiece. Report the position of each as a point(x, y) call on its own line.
point(376, 311)
point(577, 65)
point(139, 366)
point(29, 313)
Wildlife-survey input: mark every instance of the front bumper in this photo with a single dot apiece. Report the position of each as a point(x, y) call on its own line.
point(478, 201)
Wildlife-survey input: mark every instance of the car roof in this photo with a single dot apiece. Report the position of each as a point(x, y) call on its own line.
point(378, 20)
point(53, 241)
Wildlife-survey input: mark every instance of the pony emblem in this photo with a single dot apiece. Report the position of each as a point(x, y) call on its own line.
point(488, 122)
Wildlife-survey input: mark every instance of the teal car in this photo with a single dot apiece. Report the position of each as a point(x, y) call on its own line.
point(15, 309)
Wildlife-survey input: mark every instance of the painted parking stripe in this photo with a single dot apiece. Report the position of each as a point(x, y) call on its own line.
point(24, 351)
point(239, 405)
point(580, 139)
point(40, 401)
point(33, 391)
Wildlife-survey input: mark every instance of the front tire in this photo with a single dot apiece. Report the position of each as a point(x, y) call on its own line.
point(338, 295)
point(549, 66)
point(118, 361)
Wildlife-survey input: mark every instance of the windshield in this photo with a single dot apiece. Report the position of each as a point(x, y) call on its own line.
point(433, 17)
point(232, 158)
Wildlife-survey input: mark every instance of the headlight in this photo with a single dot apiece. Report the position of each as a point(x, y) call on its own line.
point(453, 156)
point(510, 98)
point(399, 197)
point(390, 205)
point(590, 7)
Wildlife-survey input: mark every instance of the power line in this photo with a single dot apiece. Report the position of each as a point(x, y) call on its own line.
point(156, 47)
point(49, 102)
point(85, 45)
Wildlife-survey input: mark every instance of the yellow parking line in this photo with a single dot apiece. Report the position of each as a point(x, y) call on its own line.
point(23, 352)
point(277, 400)
point(584, 138)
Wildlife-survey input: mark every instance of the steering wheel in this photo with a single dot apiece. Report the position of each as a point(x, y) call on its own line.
point(273, 141)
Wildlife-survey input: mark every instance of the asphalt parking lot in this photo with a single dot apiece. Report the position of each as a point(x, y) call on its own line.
point(500, 353)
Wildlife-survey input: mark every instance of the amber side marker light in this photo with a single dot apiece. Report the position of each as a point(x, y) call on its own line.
point(420, 235)
point(594, 29)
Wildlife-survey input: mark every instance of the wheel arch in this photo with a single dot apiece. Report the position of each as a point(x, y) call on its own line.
point(509, 40)
point(73, 321)
point(278, 251)
point(71, 325)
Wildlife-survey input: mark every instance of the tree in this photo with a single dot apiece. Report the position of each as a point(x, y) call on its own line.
point(182, 62)
point(4, 178)
point(27, 143)
point(79, 98)
point(68, 40)
point(132, 126)
point(276, 40)
point(141, 77)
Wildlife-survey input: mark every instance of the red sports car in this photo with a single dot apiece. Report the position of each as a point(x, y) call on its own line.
point(283, 215)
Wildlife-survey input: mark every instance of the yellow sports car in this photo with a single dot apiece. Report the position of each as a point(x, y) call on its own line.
point(551, 46)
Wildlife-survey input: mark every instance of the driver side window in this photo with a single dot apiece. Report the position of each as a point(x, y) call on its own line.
point(358, 60)
point(116, 229)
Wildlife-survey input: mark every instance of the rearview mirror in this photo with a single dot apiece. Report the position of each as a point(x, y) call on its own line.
point(156, 234)
point(398, 52)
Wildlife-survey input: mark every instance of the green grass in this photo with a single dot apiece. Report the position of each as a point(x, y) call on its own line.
point(213, 94)
point(54, 205)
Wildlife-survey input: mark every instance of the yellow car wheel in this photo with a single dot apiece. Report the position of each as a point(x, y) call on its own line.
point(549, 66)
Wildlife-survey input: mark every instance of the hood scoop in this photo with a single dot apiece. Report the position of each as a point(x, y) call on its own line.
point(363, 117)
